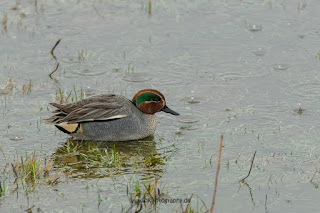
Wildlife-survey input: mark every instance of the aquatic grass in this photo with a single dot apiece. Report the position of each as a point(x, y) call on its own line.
point(31, 170)
point(89, 155)
point(112, 159)
point(153, 191)
point(188, 208)
point(130, 68)
point(75, 94)
point(9, 84)
point(5, 20)
point(59, 95)
point(145, 194)
point(26, 88)
point(63, 96)
point(27, 172)
point(81, 93)
point(2, 188)
point(89, 159)
point(55, 69)
point(150, 194)
point(70, 148)
point(52, 52)
point(82, 55)
point(149, 7)
point(103, 157)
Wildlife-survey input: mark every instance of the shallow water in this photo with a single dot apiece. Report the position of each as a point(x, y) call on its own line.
point(246, 69)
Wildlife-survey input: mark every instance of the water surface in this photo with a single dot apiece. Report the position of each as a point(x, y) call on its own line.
point(245, 69)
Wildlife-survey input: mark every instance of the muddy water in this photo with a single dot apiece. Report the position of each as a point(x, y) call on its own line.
point(248, 70)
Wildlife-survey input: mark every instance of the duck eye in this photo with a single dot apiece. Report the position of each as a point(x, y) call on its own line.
point(156, 98)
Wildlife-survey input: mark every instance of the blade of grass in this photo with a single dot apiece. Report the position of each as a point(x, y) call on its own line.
point(254, 155)
point(217, 174)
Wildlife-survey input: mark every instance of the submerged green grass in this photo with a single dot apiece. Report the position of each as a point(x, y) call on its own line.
point(89, 159)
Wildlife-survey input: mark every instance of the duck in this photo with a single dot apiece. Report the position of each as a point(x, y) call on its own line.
point(110, 117)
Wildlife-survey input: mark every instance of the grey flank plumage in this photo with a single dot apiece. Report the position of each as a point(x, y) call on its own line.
point(104, 118)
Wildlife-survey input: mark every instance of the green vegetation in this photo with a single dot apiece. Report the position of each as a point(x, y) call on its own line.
point(63, 96)
point(82, 55)
point(100, 159)
point(26, 88)
point(28, 172)
point(31, 170)
point(130, 68)
point(5, 20)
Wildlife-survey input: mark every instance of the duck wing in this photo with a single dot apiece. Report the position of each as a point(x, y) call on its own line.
point(95, 108)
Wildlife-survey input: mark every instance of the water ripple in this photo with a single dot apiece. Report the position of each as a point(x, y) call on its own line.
point(188, 119)
point(136, 77)
point(237, 70)
point(306, 90)
point(280, 66)
point(255, 27)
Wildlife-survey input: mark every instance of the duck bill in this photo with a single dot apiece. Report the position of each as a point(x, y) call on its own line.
point(168, 110)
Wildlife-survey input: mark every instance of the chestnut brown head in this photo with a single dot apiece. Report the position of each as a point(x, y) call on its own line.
point(151, 101)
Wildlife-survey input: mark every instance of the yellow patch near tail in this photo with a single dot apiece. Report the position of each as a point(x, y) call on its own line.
point(69, 127)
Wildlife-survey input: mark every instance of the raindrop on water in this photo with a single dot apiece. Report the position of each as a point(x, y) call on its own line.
point(259, 52)
point(280, 66)
point(255, 27)
point(16, 138)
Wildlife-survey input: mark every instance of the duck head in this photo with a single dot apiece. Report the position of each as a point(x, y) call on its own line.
point(151, 101)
